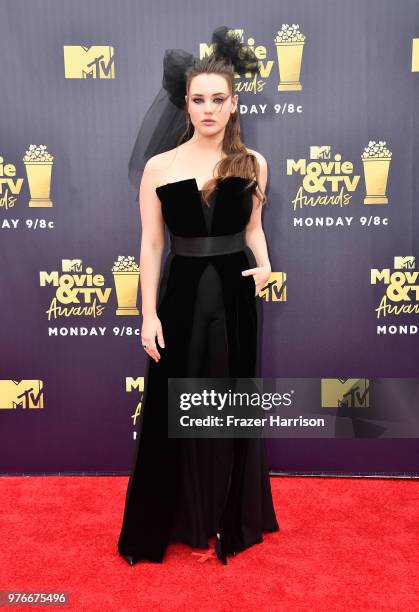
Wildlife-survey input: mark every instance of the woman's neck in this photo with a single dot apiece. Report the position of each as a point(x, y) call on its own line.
point(208, 144)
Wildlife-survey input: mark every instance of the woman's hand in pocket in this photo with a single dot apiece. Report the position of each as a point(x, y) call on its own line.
point(260, 275)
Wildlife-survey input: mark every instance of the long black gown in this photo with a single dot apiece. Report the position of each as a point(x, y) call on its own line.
point(187, 490)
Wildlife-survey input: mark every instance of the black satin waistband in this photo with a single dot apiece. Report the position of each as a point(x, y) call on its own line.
point(207, 245)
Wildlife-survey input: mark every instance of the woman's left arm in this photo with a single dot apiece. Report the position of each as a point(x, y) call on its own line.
point(254, 234)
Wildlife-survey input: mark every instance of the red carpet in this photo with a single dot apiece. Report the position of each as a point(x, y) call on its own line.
point(344, 544)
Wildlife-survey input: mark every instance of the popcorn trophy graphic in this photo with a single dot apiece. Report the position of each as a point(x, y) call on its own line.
point(376, 159)
point(126, 273)
point(289, 44)
point(38, 164)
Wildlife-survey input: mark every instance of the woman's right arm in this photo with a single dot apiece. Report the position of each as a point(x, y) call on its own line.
point(151, 251)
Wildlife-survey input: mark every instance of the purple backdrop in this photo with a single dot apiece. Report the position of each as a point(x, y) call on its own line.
point(77, 80)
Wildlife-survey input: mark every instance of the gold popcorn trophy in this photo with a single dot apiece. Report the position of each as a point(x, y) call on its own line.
point(289, 44)
point(38, 163)
point(126, 273)
point(376, 159)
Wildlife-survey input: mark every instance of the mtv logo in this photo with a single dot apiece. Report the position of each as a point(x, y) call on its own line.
point(96, 62)
point(71, 265)
point(21, 394)
point(275, 289)
point(404, 263)
point(349, 392)
point(322, 152)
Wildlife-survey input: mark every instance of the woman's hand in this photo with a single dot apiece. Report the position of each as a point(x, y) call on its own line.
point(150, 329)
point(260, 275)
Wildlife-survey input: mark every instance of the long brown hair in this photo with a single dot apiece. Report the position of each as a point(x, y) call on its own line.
point(238, 162)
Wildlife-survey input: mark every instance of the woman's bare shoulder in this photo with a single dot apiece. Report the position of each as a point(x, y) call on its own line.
point(161, 161)
point(157, 168)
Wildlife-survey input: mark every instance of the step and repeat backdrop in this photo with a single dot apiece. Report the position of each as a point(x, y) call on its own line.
point(334, 110)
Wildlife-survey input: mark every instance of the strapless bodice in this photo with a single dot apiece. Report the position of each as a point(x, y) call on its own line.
point(186, 214)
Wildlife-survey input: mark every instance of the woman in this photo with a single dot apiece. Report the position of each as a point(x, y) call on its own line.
point(209, 192)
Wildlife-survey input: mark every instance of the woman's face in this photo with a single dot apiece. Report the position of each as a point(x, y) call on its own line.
point(210, 99)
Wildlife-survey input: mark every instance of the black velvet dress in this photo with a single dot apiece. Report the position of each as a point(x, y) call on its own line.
point(187, 490)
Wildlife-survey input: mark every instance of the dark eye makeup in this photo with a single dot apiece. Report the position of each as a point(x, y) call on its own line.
point(217, 98)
